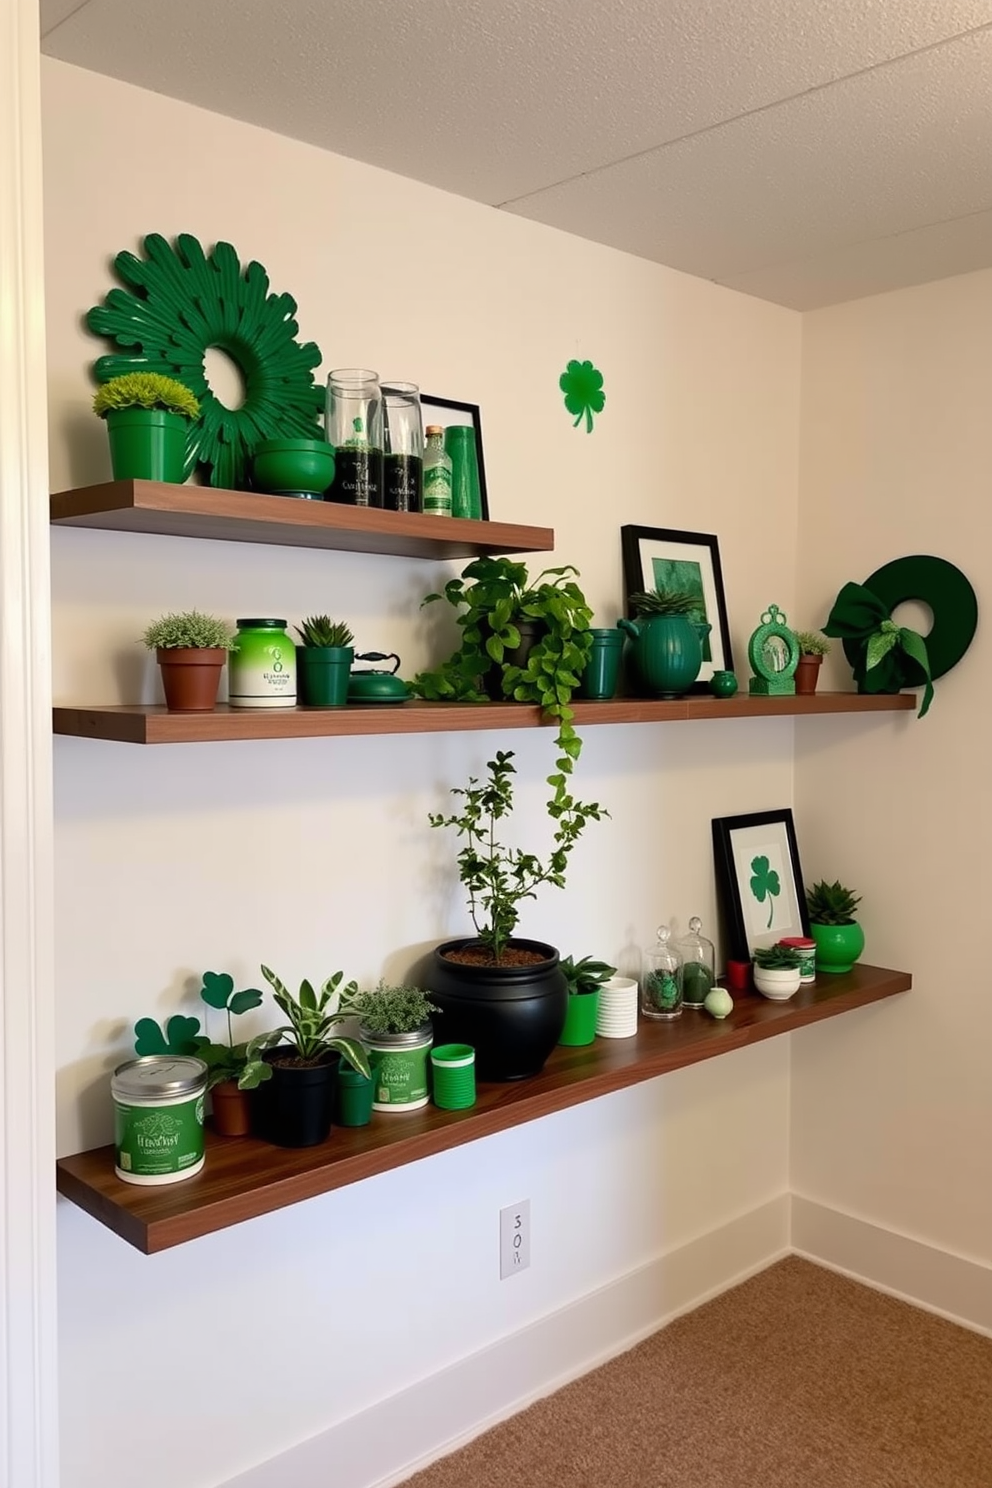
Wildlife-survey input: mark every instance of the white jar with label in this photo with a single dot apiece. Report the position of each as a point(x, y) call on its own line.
point(158, 1118)
point(262, 666)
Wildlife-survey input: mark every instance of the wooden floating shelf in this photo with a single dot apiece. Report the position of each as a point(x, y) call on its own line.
point(137, 724)
point(247, 516)
point(243, 1178)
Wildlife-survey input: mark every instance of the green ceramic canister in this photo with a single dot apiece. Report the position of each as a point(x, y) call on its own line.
point(158, 1118)
point(399, 1068)
point(262, 666)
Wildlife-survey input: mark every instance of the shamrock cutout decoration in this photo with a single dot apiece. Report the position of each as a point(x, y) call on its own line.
point(217, 989)
point(582, 384)
point(178, 1036)
point(765, 882)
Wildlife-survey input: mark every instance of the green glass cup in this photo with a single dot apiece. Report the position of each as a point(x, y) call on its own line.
point(466, 494)
point(453, 1071)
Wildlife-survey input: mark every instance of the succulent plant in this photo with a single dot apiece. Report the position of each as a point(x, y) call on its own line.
point(385, 1009)
point(777, 958)
point(145, 390)
point(189, 628)
point(831, 904)
point(312, 1017)
point(811, 643)
point(586, 975)
point(321, 630)
point(665, 602)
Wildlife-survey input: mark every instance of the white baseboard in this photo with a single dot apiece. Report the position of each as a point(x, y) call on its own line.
point(950, 1285)
point(387, 1443)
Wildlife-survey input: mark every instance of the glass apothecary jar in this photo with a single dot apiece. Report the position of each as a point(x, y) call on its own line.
point(698, 965)
point(661, 978)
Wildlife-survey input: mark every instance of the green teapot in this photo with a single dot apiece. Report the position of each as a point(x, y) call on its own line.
point(667, 652)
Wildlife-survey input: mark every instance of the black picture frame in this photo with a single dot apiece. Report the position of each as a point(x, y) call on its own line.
point(646, 549)
point(448, 411)
point(739, 843)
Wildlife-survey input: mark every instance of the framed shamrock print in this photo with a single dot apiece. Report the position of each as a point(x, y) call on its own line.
point(686, 563)
point(759, 879)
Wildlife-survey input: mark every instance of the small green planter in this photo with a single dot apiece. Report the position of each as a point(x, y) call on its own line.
point(353, 1099)
point(580, 1019)
point(147, 444)
point(323, 674)
point(599, 677)
point(838, 947)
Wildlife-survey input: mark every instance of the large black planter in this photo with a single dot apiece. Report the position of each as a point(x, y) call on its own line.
point(511, 1015)
point(294, 1108)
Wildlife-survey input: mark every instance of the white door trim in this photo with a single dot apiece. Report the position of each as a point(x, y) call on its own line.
point(28, 1349)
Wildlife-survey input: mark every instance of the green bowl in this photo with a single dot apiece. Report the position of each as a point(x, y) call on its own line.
point(293, 467)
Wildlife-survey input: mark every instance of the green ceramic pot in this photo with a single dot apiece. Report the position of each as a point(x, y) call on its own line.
point(147, 444)
point(599, 677)
point(580, 1019)
point(667, 652)
point(353, 1097)
point(837, 946)
point(293, 467)
point(323, 674)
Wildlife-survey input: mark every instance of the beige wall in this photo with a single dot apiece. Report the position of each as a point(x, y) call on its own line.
point(891, 1108)
point(315, 855)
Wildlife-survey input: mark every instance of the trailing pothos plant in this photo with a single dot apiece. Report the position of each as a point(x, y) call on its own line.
point(311, 1017)
point(497, 878)
point(492, 597)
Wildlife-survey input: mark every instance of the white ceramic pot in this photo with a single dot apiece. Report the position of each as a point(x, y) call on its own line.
point(778, 983)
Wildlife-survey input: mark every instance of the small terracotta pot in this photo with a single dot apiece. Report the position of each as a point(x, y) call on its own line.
point(191, 677)
point(807, 675)
point(232, 1117)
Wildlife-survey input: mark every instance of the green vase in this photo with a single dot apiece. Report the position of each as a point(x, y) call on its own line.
point(323, 674)
point(353, 1097)
point(580, 1019)
point(147, 444)
point(837, 946)
point(601, 673)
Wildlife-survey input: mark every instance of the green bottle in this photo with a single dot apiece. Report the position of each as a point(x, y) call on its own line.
point(437, 473)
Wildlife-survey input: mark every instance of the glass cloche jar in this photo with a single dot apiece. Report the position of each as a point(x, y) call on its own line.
point(661, 978)
point(698, 965)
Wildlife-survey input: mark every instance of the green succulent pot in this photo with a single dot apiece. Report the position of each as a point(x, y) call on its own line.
point(147, 444)
point(837, 946)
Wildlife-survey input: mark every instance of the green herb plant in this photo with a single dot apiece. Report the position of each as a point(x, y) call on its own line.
point(145, 390)
point(312, 1015)
point(322, 631)
point(385, 1009)
point(189, 628)
point(777, 958)
point(831, 904)
point(492, 596)
point(586, 975)
point(229, 1061)
point(649, 602)
point(497, 878)
point(811, 643)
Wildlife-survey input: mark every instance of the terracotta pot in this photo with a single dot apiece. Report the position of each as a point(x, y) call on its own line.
point(232, 1116)
point(191, 677)
point(807, 675)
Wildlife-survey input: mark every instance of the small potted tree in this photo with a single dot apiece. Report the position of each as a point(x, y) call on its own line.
point(231, 1072)
point(148, 418)
point(191, 649)
point(395, 1027)
point(294, 1108)
point(839, 938)
point(323, 661)
point(503, 995)
point(584, 979)
point(667, 638)
point(777, 972)
point(813, 647)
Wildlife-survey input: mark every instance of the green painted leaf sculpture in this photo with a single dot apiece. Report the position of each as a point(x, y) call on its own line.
point(582, 385)
point(183, 301)
point(765, 883)
point(178, 1037)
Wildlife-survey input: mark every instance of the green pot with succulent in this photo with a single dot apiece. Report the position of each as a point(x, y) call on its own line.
point(324, 661)
point(503, 995)
point(523, 640)
point(191, 649)
point(839, 938)
point(231, 1074)
point(666, 641)
point(394, 1024)
point(583, 979)
point(295, 1107)
point(813, 647)
point(148, 417)
point(777, 972)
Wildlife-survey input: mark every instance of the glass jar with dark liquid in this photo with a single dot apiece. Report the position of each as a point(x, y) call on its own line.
point(404, 447)
point(353, 424)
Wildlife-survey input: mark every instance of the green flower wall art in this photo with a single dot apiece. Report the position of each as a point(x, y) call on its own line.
point(765, 884)
point(582, 386)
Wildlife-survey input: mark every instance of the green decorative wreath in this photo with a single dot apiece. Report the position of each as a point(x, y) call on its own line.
point(183, 302)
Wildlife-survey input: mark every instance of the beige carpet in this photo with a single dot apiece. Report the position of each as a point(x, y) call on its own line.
point(796, 1379)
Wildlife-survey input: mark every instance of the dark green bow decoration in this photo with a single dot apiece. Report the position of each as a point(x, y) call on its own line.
point(890, 657)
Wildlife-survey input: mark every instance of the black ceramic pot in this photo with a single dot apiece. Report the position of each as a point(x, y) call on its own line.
point(511, 1015)
point(294, 1108)
point(531, 632)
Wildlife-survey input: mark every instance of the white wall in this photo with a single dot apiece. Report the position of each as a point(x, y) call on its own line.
point(315, 855)
point(891, 1108)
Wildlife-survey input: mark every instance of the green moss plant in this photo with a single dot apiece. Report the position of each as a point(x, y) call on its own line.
point(385, 1009)
point(811, 643)
point(189, 628)
point(145, 390)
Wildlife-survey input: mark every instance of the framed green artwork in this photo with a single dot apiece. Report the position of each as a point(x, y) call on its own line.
point(663, 558)
point(759, 879)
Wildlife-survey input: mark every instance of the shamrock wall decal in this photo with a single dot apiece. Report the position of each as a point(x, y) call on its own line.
point(178, 1036)
point(765, 883)
point(582, 385)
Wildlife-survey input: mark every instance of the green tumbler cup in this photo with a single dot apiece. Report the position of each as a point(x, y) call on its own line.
point(353, 1097)
point(601, 673)
point(580, 1019)
point(453, 1069)
point(466, 494)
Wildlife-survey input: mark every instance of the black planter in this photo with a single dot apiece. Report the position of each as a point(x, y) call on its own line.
point(511, 1015)
point(294, 1108)
point(531, 632)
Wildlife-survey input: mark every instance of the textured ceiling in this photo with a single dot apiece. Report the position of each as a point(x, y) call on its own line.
point(802, 152)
